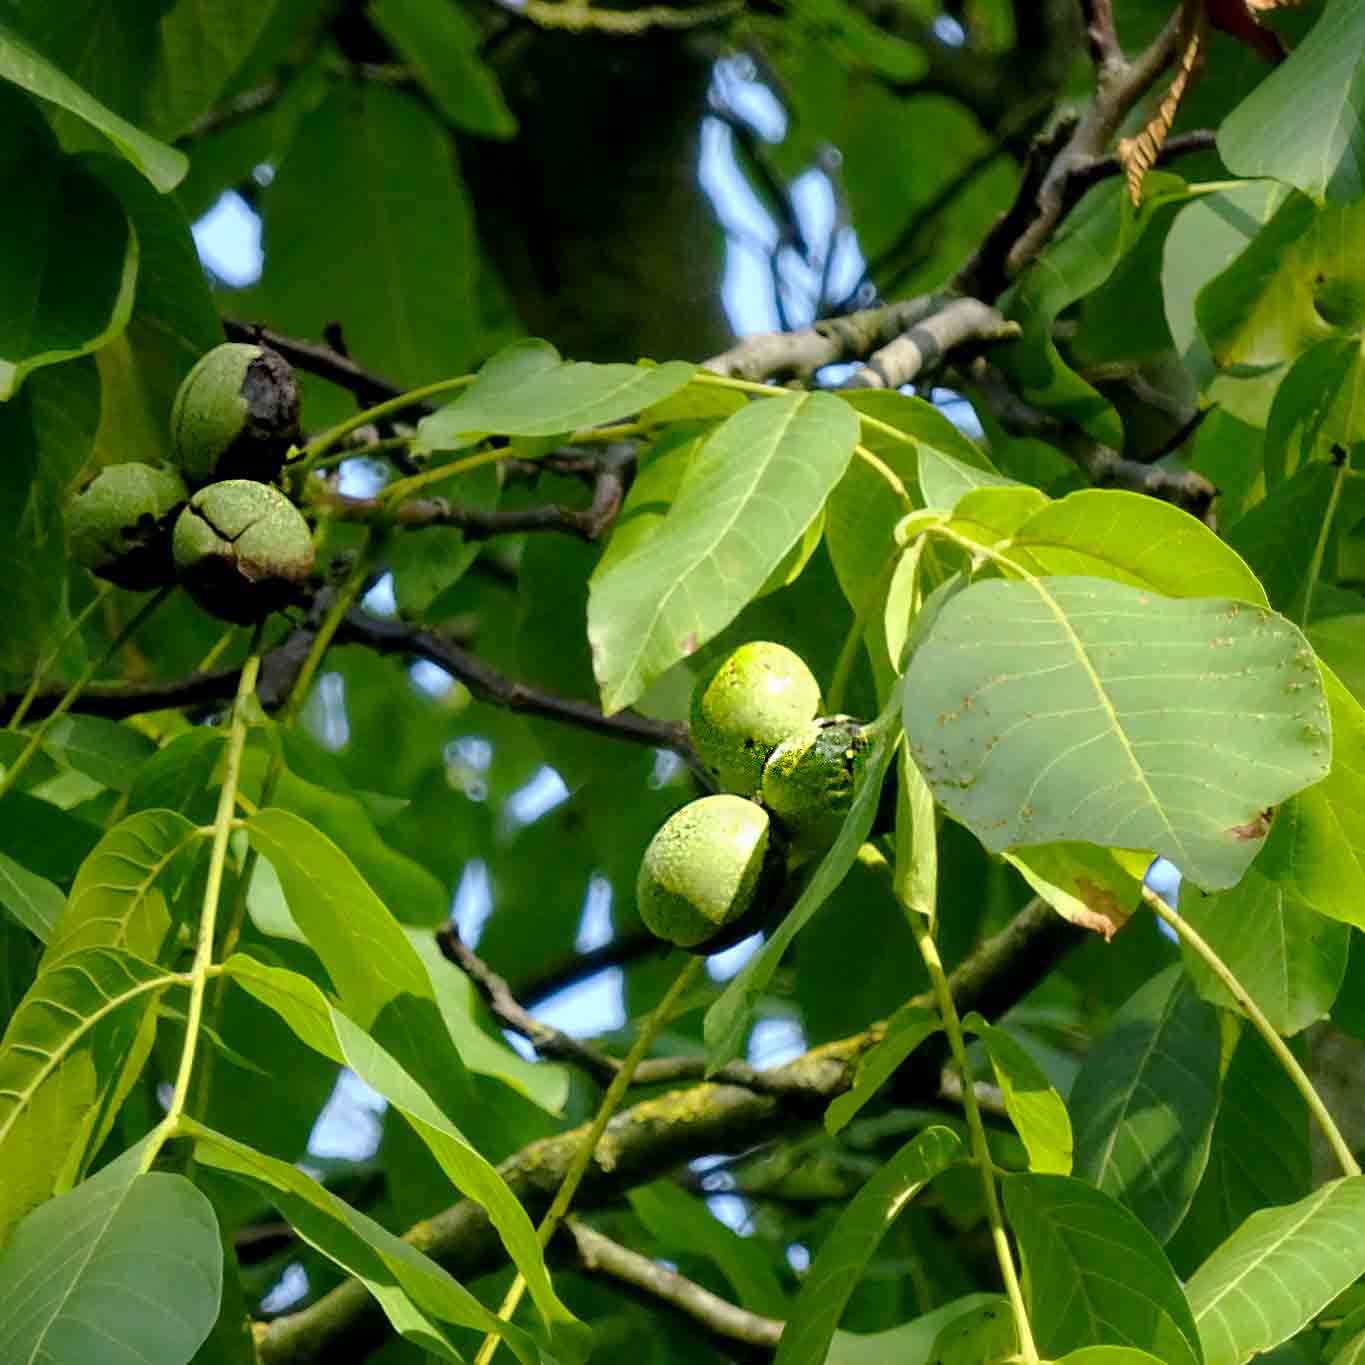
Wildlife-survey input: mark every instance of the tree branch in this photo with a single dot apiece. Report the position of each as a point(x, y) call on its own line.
point(657, 1135)
point(799, 354)
point(924, 345)
point(599, 1255)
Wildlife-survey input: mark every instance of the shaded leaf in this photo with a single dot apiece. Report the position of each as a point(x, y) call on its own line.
point(31, 900)
point(982, 1335)
point(840, 1262)
point(1259, 1154)
point(1037, 712)
point(1093, 1274)
point(69, 262)
point(125, 1269)
point(1034, 1107)
point(745, 500)
point(1280, 1268)
point(442, 44)
point(1145, 1101)
point(1302, 123)
point(103, 749)
point(905, 1031)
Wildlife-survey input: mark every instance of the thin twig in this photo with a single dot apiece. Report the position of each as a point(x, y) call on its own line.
point(599, 1255)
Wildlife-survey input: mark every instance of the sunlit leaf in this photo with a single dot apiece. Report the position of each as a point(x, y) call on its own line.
point(528, 390)
point(1282, 1266)
point(414, 1292)
point(31, 900)
point(746, 498)
point(905, 1031)
point(74, 1045)
point(1034, 1107)
point(1039, 711)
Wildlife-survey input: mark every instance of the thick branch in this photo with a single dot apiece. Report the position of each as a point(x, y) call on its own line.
point(315, 357)
point(657, 1135)
point(599, 1255)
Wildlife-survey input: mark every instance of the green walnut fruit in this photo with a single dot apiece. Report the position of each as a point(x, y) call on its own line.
point(705, 869)
point(119, 524)
point(242, 550)
point(746, 707)
point(809, 778)
point(236, 415)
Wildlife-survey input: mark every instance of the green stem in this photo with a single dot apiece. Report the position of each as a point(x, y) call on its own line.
point(395, 492)
point(324, 441)
point(1320, 547)
point(44, 665)
point(345, 599)
point(981, 1155)
point(1263, 1026)
point(74, 691)
point(213, 887)
point(578, 1167)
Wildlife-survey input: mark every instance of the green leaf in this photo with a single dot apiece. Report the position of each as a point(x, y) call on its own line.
point(1037, 712)
point(983, 1334)
point(527, 390)
point(409, 308)
point(679, 1221)
point(414, 1292)
point(747, 497)
point(119, 896)
point(1093, 1273)
point(1108, 1355)
point(441, 43)
point(483, 1049)
point(72, 1049)
point(1205, 239)
point(945, 481)
point(1259, 1154)
point(728, 1017)
point(1279, 1269)
point(840, 1262)
point(1316, 849)
point(328, 1031)
point(174, 321)
point(1034, 1107)
point(77, 1276)
point(1319, 403)
point(380, 980)
point(178, 772)
point(1078, 260)
point(1290, 959)
point(1082, 883)
point(427, 560)
point(911, 1342)
point(1145, 1101)
point(68, 257)
point(19, 63)
point(203, 42)
point(905, 1031)
point(1133, 539)
point(31, 900)
point(103, 749)
point(1302, 123)
point(397, 880)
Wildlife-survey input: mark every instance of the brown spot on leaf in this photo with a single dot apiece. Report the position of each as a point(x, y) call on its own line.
point(1104, 913)
point(688, 644)
point(1254, 829)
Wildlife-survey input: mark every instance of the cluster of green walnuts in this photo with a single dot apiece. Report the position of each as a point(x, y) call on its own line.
point(711, 874)
point(215, 522)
